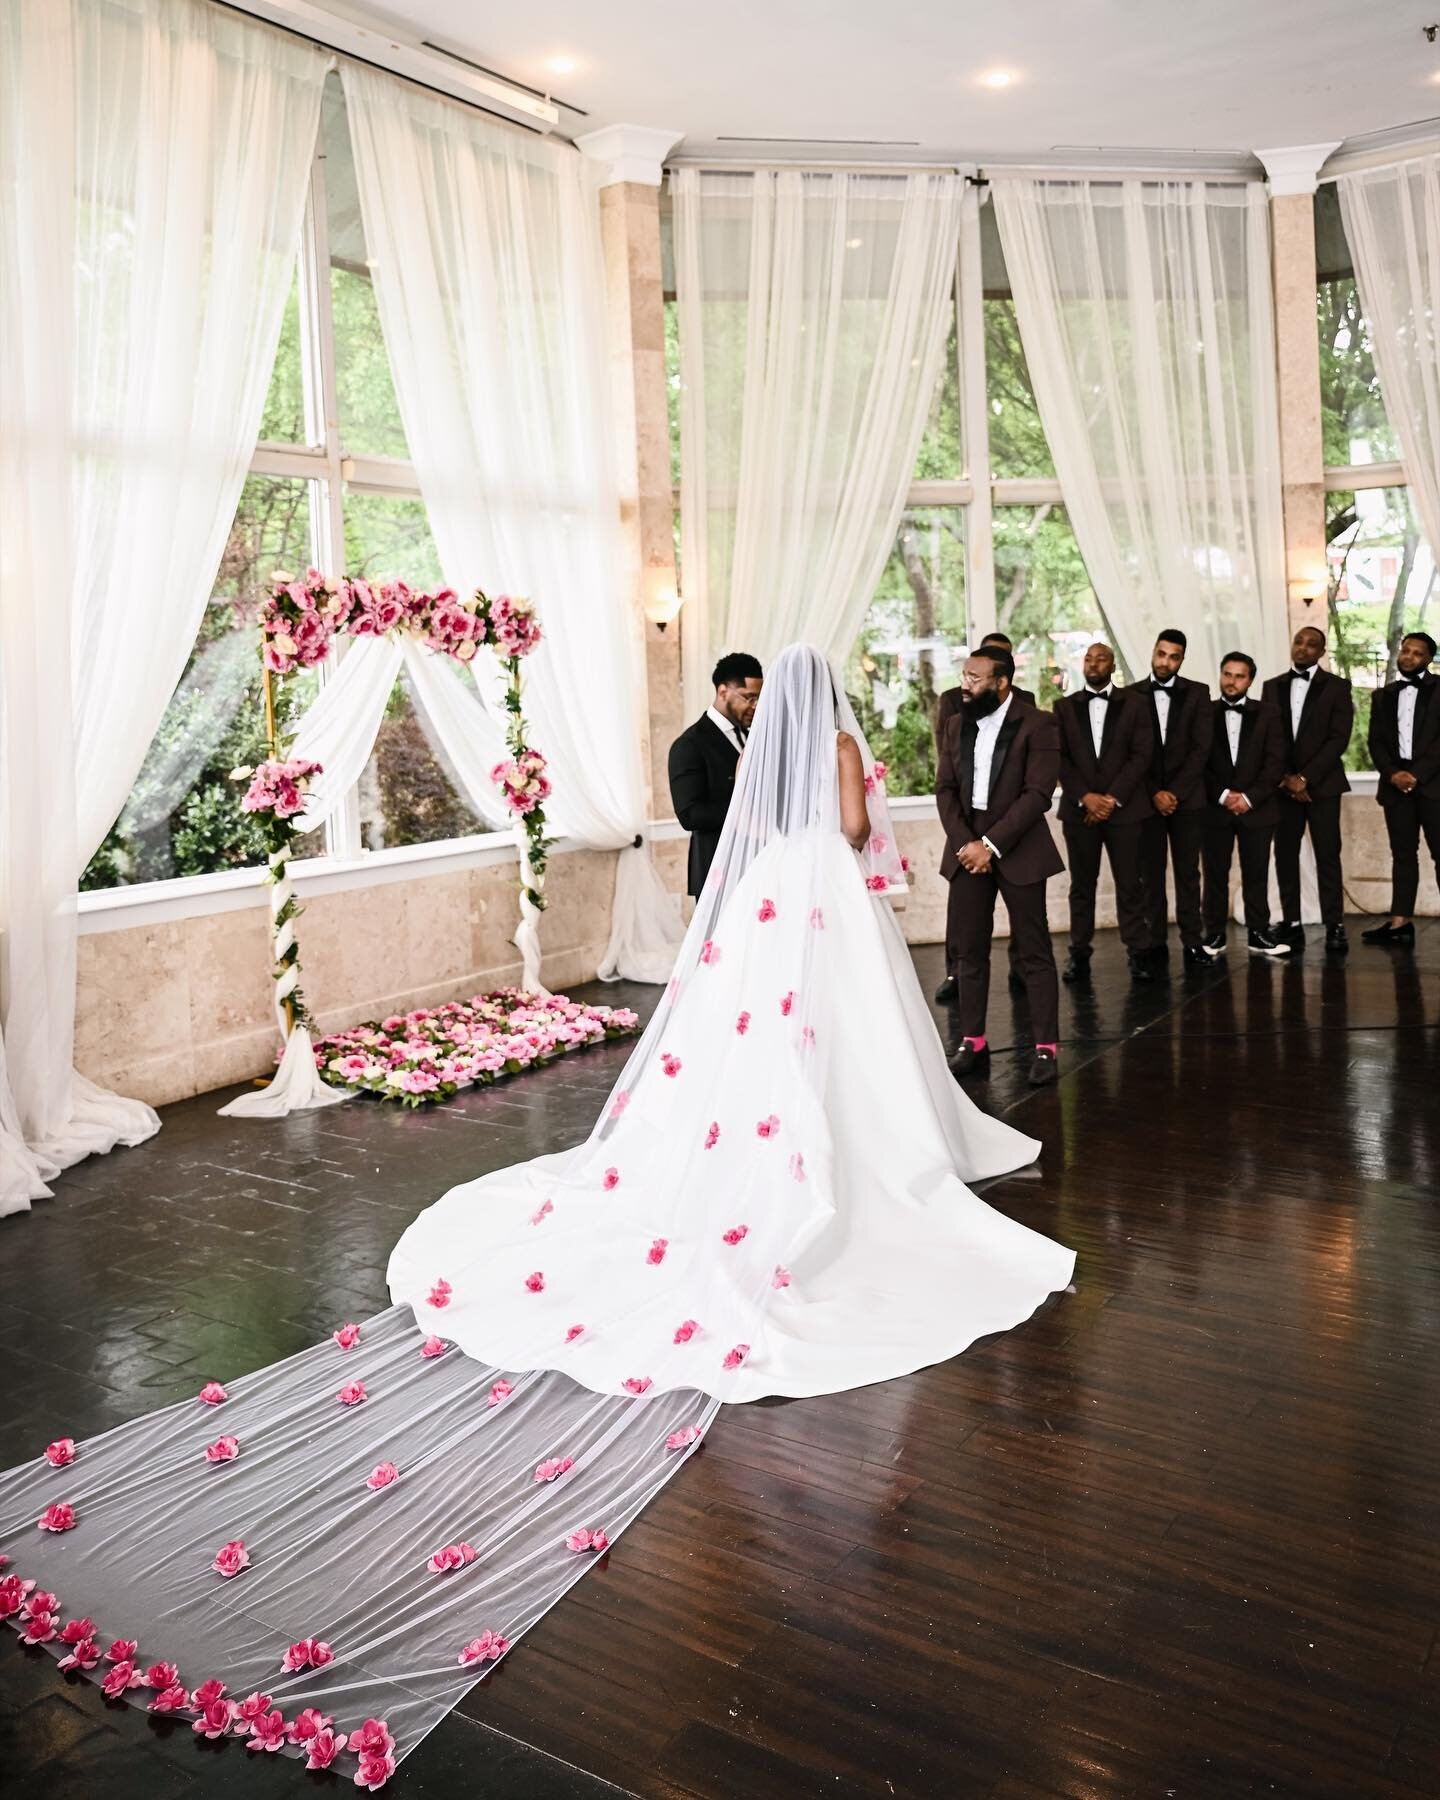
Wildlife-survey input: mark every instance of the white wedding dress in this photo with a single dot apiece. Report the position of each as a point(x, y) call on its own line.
point(772, 1201)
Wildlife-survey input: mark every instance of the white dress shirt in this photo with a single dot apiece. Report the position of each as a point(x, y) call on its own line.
point(1233, 716)
point(718, 718)
point(1097, 714)
point(1161, 696)
point(986, 733)
point(1405, 719)
point(1298, 691)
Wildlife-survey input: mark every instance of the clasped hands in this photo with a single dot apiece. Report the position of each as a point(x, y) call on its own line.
point(974, 857)
point(1098, 808)
point(1405, 780)
point(1297, 788)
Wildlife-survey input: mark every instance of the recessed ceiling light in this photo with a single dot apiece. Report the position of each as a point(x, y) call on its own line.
point(560, 65)
point(997, 78)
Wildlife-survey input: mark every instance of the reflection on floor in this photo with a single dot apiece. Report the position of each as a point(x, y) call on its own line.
point(1176, 1534)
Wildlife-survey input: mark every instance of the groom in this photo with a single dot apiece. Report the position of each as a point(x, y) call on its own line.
point(999, 764)
point(703, 759)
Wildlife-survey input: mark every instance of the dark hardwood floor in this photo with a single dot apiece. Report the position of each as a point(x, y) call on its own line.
point(1177, 1535)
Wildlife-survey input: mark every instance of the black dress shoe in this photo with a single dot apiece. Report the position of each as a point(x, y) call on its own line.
point(1077, 966)
point(1389, 934)
point(1045, 1069)
point(967, 1060)
point(946, 992)
point(1196, 956)
point(1144, 968)
point(1267, 943)
point(1293, 935)
point(1336, 942)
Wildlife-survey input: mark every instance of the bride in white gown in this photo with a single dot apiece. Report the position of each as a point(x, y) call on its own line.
point(323, 1557)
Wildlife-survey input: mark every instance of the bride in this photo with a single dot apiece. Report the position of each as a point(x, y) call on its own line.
point(771, 1202)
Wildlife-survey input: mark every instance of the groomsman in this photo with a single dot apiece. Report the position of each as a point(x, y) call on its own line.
point(998, 767)
point(703, 759)
point(1317, 711)
point(1405, 749)
point(1181, 723)
point(948, 708)
point(1105, 751)
point(1242, 778)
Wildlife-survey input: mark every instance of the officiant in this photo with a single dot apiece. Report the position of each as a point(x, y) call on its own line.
point(703, 759)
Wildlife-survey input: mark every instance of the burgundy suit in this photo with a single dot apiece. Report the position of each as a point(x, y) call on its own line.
point(1024, 769)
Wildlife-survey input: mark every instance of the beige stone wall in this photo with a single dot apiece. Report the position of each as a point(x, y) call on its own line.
point(172, 1009)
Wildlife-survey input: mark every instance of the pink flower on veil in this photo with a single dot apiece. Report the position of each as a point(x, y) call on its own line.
point(611, 1181)
point(439, 1295)
point(766, 911)
point(433, 1346)
point(583, 1538)
point(352, 1393)
point(710, 951)
point(619, 1103)
point(501, 1392)
point(656, 1253)
point(347, 1337)
point(742, 1024)
point(59, 1453)
point(208, 1691)
point(787, 1004)
point(224, 1449)
point(797, 1166)
point(450, 1556)
point(678, 1440)
point(735, 1235)
point(672, 1065)
point(685, 1331)
point(306, 1726)
point(877, 884)
point(231, 1558)
point(781, 1277)
point(323, 1748)
point(879, 844)
point(382, 1475)
point(77, 1630)
point(817, 918)
point(122, 1650)
point(636, 1384)
point(84, 1653)
point(574, 1332)
point(372, 1739)
point(59, 1517)
point(488, 1647)
point(535, 1282)
point(542, 1212)
point(216, 1717)
point(554, 1467)
point(267, 1732)
point(212, 1393)
point(734, 1358)
point(767, 1127)
point(712, 1136)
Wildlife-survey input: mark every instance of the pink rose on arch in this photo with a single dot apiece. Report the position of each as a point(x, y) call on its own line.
point(712, 1136)
point(122, 1650)
point(767, 1128)
point(84, 1654)
point(216, 1718)
point(324, 1747)
point(656, 1253)
point(501, 1392)
point(119, 1679)
point(554, 1468)
point(170, 1700)
point(574, 1332)
point(59, 1517)
point(734, 1358)
point(637, 1384)
point(212, 1393)
point(433, 1346)
point(382, 1475)
point(59, 1453)
point(742, 1024)
point(224, 1449)
point(787, 1003)
point(267, 1732)
point(352, 1393)
point(347, 1337)
point(678, 1440)
point(611, 1181)
point(535, 1282)
point(735, 1235)
point(685, 1331)
point(766, 911)
point(488, 1647)
point(231, 1558)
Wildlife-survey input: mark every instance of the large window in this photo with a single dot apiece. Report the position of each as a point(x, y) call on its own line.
point(330, 483)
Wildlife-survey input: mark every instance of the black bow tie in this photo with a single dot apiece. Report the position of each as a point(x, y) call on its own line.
point(1301, 674)
point(1091, 694)
point(1414, 681)
point(1162, 687)
point(1233, 705)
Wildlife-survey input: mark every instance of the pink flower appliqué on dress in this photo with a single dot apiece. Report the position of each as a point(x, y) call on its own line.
point(501, 1392)
point(710, 951)
point(433, 1346)
point(677, 1440)
point(77, 1630)
point(656, 1253)
point(382, 1475)
point(208, 1691)
point(352, 1393)
point(734, 1358)
point(224, 1449)
point(877, 884)
point(59, 1453)
point(325, 1746)
point(765, 912)
point(122, 1650)
point(59, 1517)
point(84, 1653)
point(438, 1296)
point(120, 1679)
point(712, 1136)
point(619, 1103)
point(787, 1004)
point(797, 1166)
point(817, 918)
point(450, 1556)
point(574, 1332)
point(162, 1675)
point(735, 1235)
point(879, 844)
point(767, 1127)
point(685, 1331)
point(554, 1468)
point(742, 1024)
point(611, 1181)
point(306, 1726)
point(781, 1277)
point(213, 1394)
point(347, 1337)
point(535, 1282)
point(216, 1718)
point(372, 1739)
point(170, 1700)
point(231, 1558)
point(585, 1539)
point(543, 1212)
point(637, 1384)
point(248, 1710)
point(307, 1653)
point(488, 1647)
point(672, 1065)
point(267, 1732)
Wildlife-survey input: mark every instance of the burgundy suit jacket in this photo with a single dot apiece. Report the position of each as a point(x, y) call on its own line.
point(1023, 774)
point(949, 708)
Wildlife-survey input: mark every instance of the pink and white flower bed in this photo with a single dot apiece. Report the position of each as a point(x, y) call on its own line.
point(430, 1054)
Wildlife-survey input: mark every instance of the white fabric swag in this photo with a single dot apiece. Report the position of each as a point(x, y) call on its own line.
point(1145, 313)
point(1392, 224)
point(490, 287)
point(154, 156)
point(813, 311)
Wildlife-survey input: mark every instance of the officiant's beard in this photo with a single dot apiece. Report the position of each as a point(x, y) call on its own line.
point(981, 705)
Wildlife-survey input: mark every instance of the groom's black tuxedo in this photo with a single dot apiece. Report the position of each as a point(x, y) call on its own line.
point(702, 781)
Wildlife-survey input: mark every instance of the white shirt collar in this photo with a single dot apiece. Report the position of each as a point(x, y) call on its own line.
point(716, 717)
point(993, 720)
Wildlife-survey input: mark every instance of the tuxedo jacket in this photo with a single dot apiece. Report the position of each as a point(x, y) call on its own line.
point(949, 707)
point(1317, 751)
point(1126, 748)
point(1023, 773)
point(1177, 761)
point(1425, 738)
point(702, 782)
point(1257, 767)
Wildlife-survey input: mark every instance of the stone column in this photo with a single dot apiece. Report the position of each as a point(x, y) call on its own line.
point(1292, 179)
point(630, 232)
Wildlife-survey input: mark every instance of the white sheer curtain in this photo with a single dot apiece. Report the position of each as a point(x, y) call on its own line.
point(813, 310)
point(1145, 314)
point(155, 157)
point(1392, 224)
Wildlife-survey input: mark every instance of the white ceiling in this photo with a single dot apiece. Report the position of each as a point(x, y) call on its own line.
point(1169, 76)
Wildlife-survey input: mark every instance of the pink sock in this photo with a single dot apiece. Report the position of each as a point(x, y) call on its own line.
point(1054, 1049)
point(976, 1043)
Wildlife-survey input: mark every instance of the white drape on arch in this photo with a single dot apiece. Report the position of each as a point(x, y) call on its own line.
point(813, 310)
point(1392, 224)
point(155, 156)
point(1145, 314)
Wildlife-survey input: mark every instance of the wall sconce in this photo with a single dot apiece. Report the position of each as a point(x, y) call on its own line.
point(663, 606)
point(1309, 585)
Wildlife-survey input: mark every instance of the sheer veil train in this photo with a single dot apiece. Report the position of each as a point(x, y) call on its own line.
point(772, 1201)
